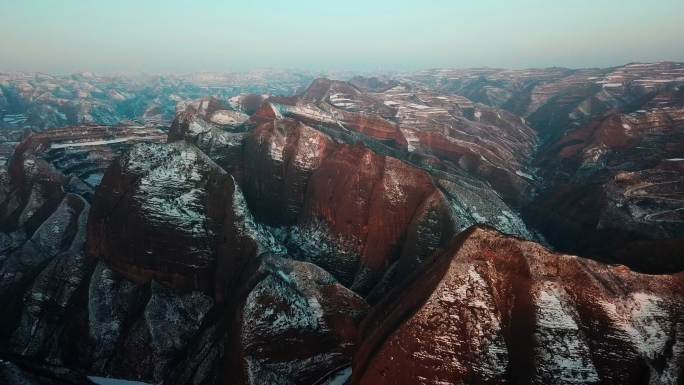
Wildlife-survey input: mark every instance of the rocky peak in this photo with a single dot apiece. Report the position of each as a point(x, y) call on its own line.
point(498, 309)
point(159, 214)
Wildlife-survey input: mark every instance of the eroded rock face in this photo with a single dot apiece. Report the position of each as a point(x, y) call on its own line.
point(159, 213)
point(115, 319)
point(216, 128)
point(293, 174)
point(138, 331)
point(442, 133)
point(33, 183)
point(280, 157)
point(96, 320)
point(361, 236)
point(59, 233)
point(55, 251)
point(64, 310)
point(43, 221)
point(478, 156)
point(376, 197)
point(495, 309)
point(296, 325)
point(45, 166)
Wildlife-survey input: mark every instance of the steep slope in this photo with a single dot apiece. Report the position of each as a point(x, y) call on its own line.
point(311, 150)
point(43, 222)
point(296, 324)
point(280, 157)
point(614, 187)
point(216, 128)
point(447, 134)
point(161, 200)
point(173, 262)
point(495, 309)
point(293, 174)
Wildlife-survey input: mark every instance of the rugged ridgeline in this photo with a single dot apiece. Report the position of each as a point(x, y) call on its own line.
point(303, 240)
point(52, 177)
point(556, 100)
point(40, 101)
point(494, 309)
point(610, 157)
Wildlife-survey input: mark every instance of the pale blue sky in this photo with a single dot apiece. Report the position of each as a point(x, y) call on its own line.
point(212, 35)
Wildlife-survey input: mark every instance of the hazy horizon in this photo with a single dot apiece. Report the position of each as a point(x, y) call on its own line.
point(182, 37)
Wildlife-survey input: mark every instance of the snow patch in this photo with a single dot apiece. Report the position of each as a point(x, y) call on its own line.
point(524, 174)
point(649, 328)
point(394, 187)
point(114, 381)
point(227, 117)
point(412, 139)
point(92, 143)
point(561, 349)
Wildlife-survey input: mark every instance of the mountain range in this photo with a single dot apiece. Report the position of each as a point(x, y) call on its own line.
point(477, 226)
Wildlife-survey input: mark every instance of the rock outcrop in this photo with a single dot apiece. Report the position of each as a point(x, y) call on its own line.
point(175, 269)
point(280, 157)
point(496, 309)
point(439, 133)
point(43, 223)
point(169, 213)
point(377, 200)
point(296, 324)
point(311, 150)
point(215, 128)
point(293, 174)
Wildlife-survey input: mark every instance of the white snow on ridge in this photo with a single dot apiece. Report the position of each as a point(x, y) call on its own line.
point(561, 350)
point(114, 381)
point(654, 80)
point(524, 174)
point(92, 143)
point(412, 139)
point(340, 378)
point(552, 313)
point(393, 185)
point(649, 325)
point(611, 85)
point(224, 117)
